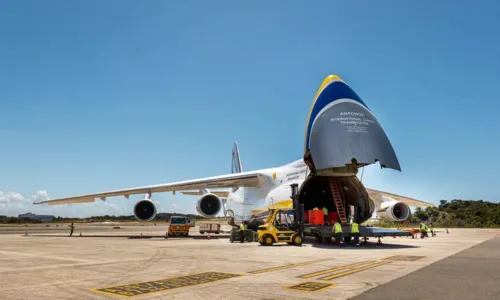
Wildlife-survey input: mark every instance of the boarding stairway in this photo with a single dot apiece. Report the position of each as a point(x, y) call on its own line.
point(336, 189)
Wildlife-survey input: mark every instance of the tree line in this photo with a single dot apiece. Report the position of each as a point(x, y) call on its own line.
point(159, 218)
point(461, 213)
point(457, 213)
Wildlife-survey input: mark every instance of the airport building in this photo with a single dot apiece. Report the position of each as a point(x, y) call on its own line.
point(33, 217)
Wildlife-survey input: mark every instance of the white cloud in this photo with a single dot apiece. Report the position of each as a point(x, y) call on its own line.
point(13, 204)
point(40, 196)
point(11, 197)
point(174, 205)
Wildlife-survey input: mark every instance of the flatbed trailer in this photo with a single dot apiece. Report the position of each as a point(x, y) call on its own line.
point(323, 233)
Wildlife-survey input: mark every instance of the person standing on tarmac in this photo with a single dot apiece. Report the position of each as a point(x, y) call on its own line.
point(325, 213)
point(423, 233)
point(355, 232)
point(242, 231)
point(72, 227)
point(337, 230)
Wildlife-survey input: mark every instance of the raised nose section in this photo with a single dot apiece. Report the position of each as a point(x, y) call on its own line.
point(340, 130)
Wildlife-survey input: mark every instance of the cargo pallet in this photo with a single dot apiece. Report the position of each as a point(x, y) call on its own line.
point(323, 233)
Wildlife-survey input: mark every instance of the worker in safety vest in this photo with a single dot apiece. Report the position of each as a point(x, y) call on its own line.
point(427, 229)
point(337, 230)
point(72, 227)
point(355, 232)
point(325, 213)
point(431, 228)
point(422, 230)
point(243, 227)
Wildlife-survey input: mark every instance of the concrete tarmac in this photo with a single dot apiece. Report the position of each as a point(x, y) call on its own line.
point(471, 274)
point(44, 267)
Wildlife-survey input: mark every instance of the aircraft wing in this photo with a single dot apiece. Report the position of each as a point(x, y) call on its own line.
point(246, 179)
point(377, 196)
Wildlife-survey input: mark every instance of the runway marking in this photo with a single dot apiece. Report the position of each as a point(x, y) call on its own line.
point(338, 268)
point(355, 270)
point(142, 288)
point(310, 286)
point(404, 258)
point(288, 266)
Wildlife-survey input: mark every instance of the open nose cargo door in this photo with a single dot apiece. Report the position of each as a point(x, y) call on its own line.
point(341, 132)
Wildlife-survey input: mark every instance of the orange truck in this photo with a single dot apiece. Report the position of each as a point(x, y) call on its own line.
point(179, 226)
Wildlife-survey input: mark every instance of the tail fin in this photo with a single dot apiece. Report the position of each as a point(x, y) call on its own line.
point(236, 163)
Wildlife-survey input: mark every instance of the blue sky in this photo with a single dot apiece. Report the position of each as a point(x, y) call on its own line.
point(99, 95)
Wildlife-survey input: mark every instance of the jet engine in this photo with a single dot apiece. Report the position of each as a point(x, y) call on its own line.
point(145, 210)
point(394, 211)
point(209, 205)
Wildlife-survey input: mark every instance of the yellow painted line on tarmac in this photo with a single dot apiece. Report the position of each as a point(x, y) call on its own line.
point(404, 258)
point(288, 266)
point(338, 268)
point(310, 286)
point(355, 270)
point(148, 287)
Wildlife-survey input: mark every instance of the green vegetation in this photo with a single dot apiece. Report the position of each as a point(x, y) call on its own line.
point(456, 213)
point(8, 220)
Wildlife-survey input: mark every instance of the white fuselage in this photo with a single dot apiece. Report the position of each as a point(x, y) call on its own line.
point(274, 192)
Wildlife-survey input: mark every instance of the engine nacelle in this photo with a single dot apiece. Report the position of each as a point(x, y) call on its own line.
point(394, 211)
point(209, 205)
point(145, 210)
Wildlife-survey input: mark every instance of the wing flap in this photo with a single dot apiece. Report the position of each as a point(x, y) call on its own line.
point(249, 179)
point(377, 195)
point(221, 194)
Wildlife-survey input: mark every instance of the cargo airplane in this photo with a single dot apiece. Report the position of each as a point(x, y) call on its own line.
point(341, 136)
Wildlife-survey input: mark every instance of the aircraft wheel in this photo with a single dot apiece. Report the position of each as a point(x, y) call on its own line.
point(297, 240)
point(268, 240)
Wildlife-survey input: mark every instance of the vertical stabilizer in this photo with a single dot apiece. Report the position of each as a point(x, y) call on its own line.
point(236, 163)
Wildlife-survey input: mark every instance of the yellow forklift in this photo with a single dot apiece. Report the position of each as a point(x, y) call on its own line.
point(284, 224)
